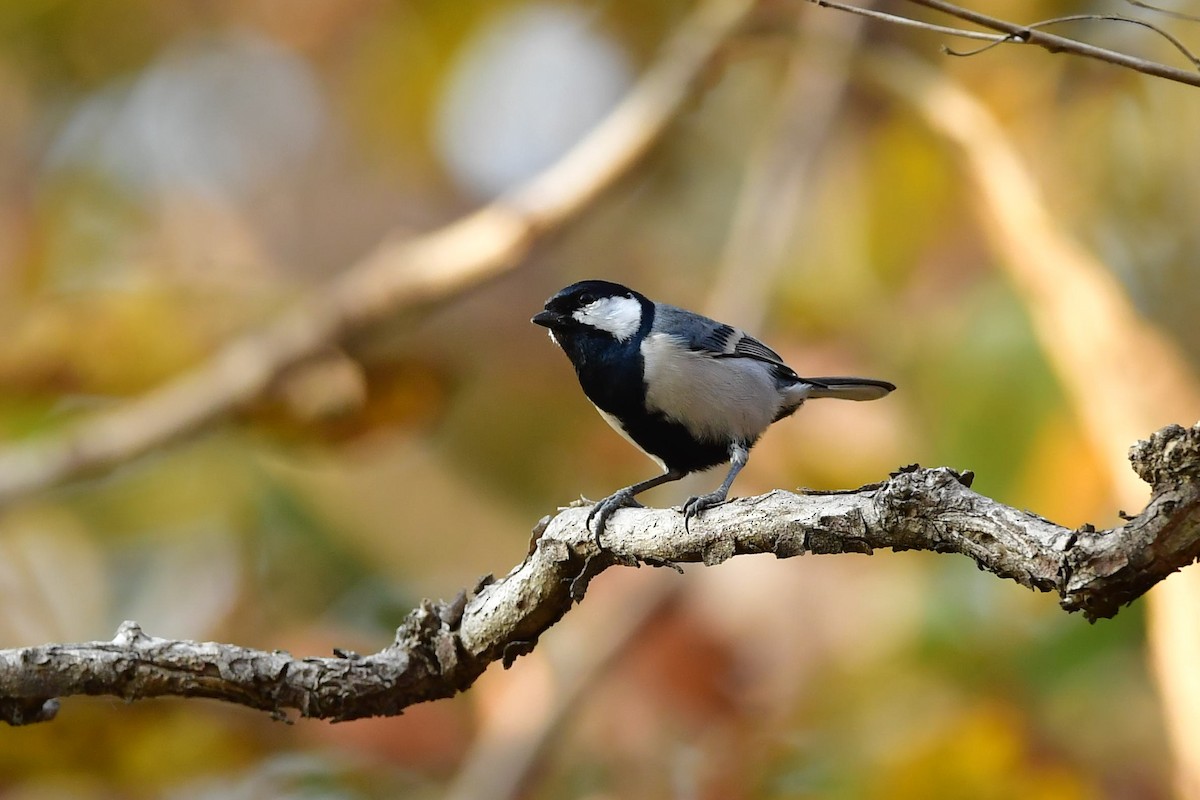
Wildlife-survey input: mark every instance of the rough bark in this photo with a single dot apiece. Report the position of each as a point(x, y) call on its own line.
point(441, 648)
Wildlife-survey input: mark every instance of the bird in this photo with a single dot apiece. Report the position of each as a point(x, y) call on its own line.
point(690, 392)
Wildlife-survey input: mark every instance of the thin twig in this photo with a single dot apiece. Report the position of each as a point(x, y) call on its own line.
point(896, 19)
point(950, 51)
point(1178, 45)
point(1164, 11)
point(1024, 34)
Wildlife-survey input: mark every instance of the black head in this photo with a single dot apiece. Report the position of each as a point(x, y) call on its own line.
point(595, 308)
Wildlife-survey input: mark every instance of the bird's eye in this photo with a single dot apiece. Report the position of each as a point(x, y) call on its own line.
point(586, 299)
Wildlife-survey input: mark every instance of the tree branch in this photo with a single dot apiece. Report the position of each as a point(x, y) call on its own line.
point(441, 648)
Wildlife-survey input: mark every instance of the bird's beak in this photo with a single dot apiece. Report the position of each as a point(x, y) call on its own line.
point(547, 319)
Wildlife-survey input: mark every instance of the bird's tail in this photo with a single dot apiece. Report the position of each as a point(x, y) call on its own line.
point(848, 388)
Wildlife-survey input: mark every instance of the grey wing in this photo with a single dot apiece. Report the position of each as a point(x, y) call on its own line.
point(752, 348)
point(747, 346)
point(695, 331)
point(723, 341)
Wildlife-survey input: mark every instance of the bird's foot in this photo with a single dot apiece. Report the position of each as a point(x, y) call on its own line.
point(700, 503)
point(606, 508)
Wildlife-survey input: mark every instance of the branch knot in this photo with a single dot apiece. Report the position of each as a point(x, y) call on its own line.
point(1171, 455)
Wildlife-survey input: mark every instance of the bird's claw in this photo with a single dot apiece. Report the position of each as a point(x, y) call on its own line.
point(605, 509)
point(699, 504)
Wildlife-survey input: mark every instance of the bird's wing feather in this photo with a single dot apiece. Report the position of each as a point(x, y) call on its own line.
point(696, 332)
point(722, 341)
point(750, 347)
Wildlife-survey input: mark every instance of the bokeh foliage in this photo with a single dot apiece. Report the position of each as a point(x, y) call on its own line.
point(173, 173)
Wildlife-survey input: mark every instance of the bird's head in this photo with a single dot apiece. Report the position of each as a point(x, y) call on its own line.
point(591, 308)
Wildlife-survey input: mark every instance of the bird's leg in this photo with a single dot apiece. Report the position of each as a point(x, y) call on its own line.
point(739, 453)
point(624, 499)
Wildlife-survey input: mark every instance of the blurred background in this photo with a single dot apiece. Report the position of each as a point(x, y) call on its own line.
point(173, 173)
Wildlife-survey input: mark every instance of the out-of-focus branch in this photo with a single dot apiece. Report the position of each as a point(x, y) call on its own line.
point(1026, 34)
point(896, 19)
point(1121, 373)
point(1090, 332)
point(399, 275)
point(1164, 11)
point(778, 181)
point(508, 754)
point(1015, 33)
point(442, 648)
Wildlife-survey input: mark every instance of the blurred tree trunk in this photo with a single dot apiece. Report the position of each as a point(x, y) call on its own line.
point(1122, 373)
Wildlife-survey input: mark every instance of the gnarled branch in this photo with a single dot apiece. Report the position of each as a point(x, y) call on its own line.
point(441, 648)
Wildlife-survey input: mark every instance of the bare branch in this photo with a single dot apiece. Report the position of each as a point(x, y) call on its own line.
point(1164, 11)
point(896, 19)
point(1025, 34)
point(443, 647)
point(399, 275)
point(1141, 23)
point(1011, 32)
point(1014, 38)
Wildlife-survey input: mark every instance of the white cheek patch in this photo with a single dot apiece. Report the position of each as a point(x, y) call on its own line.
point(620, 316)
